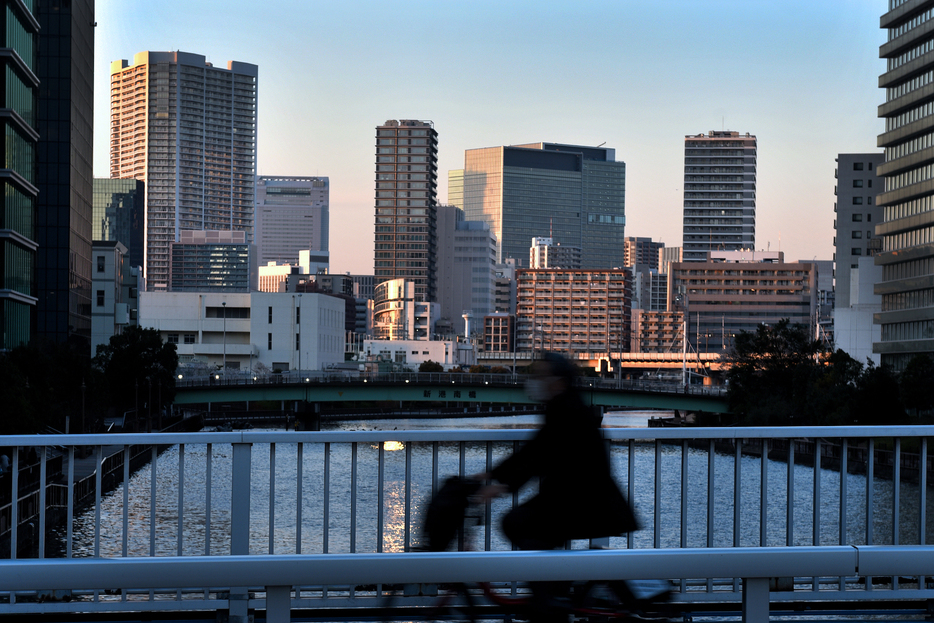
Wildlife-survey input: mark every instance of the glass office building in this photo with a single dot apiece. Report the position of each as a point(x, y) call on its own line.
point(571, 193)
point(18, 218)
point(907, 229)
point(119, 208)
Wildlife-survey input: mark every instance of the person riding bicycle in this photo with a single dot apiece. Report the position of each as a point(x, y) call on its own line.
point(577, 498)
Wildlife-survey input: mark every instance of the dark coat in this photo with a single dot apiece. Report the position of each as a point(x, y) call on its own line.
point(577, 492)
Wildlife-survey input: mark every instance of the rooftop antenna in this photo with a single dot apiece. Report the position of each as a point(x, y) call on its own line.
point(602, 144)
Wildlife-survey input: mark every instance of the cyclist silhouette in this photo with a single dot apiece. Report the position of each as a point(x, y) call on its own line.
point(577, 498)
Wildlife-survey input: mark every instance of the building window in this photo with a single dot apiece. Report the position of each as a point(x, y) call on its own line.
point(857, 234)
point(270, 314)
point(869, 182)
point(857, 218)
point(298, 343)
point(857, 201)
point(172, 338)
point(856, 251)
point(869, 217)
point(100, 298)
point(269, 341)
point(100, 263)
point(858, 166)
point(189, 338)
point(869, 200)
point(868, 235)
point(298, 315)
point(857, 183)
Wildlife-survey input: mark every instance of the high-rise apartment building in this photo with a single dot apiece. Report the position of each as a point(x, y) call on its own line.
point(546, 253)
point(907, 227)
point(291, 216)
point(18, 218)
point(719, 193)
point(118, 212)
point(856, 215)
point(406, 196)
point(641, 252)
point(188, 130)
point(574, 192)
point(64, 155)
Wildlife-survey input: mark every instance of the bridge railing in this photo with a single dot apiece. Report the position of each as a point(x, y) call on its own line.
point(270, 493)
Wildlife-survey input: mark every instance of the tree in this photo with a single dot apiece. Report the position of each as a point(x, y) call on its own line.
point(430, 366)
point(136, 364)
point(915, 384)
point(772, 372)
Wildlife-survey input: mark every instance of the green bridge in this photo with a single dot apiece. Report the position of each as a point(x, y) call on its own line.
point(443, 390)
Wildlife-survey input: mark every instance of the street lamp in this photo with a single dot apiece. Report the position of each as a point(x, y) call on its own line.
point(224, 308)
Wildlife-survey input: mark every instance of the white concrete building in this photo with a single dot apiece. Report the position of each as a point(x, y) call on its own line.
point(291, 216)
point(248, 331)
point(114, 287)
point(410, 354)
point(853, 328)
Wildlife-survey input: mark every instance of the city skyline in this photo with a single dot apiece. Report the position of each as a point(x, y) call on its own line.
point(636, 77)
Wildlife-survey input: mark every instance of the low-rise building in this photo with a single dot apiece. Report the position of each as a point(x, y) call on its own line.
point(733, 291)
point(408, 355)
point(115, 285)
point(256, 331)
point(398, 316)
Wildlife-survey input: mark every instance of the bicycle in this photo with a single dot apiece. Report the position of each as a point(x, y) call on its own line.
point(452, 512)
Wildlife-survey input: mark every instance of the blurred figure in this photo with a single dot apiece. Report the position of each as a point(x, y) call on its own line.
point(577, 498)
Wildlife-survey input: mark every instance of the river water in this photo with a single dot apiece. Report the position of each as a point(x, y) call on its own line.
point(190, 540)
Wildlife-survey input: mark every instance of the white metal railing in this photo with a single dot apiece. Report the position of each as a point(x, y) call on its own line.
point(265, 493)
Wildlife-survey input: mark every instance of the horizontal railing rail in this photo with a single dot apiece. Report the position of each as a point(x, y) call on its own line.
point(278, 576)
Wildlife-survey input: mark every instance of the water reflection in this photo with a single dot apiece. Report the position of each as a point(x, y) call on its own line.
point(361, 510)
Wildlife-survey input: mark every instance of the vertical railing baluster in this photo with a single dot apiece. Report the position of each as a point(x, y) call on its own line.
point(14, 508)
point(844, 470)
point(70, 530)
point(299, 493)
point(815, 528)
point(272, 498)
point(631, 485)
point(240, 500)
point(711, 455)
point(154, 454)
point(408, 497)
point(764, 494)
point(99, 463)
point(327, 496)
point(42, 504)
point(380, 461)
point(181, 500)
point(462, 459)
point(737, 490)
point(353, 497)
point(737, 506)
point(657, 523)
point(790, 496)
point(126, 504)
point(209, 463)
point(870, 498)
point(684, 495)
point(896, 498)
point(488, 511)
point(922, 486)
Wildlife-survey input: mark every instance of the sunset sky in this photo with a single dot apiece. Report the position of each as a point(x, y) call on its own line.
point(639, 76)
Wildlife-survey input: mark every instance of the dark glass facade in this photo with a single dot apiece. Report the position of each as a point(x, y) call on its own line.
point(210, 267)
point(572, 193)
point(64, 120)
point(119, 207)
point(18, 245)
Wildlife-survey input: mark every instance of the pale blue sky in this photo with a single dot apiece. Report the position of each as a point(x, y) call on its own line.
point(639, 75)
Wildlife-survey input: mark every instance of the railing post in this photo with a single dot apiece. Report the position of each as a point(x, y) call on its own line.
point(238, 600)
point(755, 600)
point(278, 604)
